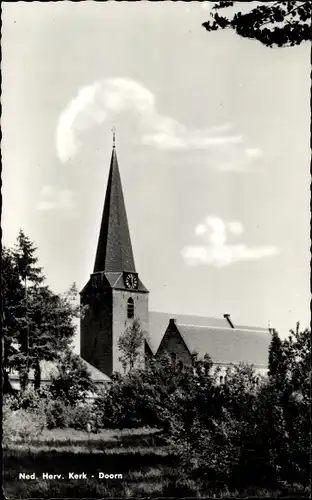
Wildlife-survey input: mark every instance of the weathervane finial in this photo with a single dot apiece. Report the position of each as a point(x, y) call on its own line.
point(114, 136)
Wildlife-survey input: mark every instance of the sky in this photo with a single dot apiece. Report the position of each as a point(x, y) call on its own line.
point(212, 138)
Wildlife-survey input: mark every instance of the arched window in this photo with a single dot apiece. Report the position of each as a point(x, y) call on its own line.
point(130, 308)
point(95, 342)
point(221, 379)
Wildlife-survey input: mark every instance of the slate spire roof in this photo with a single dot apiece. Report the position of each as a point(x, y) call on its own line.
point(114, 250)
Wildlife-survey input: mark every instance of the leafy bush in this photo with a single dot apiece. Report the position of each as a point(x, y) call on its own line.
point(140, 398)
point(243, 433)
point(58, 414)
point(22, 424)
point(62, 415)
point(203, 433)
point(81, 416)
point(45, 412)
point(73, 381)
point(235, 434)
point(31, 399)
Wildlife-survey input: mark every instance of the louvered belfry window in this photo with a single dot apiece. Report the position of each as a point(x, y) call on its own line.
point(130, 308)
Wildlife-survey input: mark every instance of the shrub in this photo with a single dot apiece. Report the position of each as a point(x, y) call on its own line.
point(22, 424)
point(240, 433)
point(81, 416)
point(142, 397)
point(31, 399)
point(212, 426)
point(73, 381)
point(58, 414)
point(62, 415)
point(41, 411)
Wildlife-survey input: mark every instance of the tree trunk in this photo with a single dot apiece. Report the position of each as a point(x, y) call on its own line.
point(37, 374)
point(24, 378)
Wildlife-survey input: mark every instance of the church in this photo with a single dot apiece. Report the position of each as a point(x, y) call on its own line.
point(114, 295)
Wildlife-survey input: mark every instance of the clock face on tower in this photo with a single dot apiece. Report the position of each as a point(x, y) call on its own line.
point(131, 281)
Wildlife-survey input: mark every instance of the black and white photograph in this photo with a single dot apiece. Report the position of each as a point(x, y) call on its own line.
point(155, 255)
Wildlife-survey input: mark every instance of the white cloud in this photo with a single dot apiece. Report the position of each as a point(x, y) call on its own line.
point(77, 116)
point(217, 233)
point(252, 153)
point(233, 158)
point(55, 199)
point(200, 229)
point(189, 140)
point(216, 251)
point(206, 5)
point(235, 227)
point(102, 100)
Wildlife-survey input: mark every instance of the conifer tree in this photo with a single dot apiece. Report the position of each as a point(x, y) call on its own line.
point(38, 323)
point(290, 389)
point(51, 325)
point(26, 260)
point(276, 355)
point(30, 275)
point(12, 311)
point(297, 348)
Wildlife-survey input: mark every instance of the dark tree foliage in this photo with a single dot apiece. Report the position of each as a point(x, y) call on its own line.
point(13, 305)
point(284, 409)
point(73, 380)
point(50, 326)
point(144, 397)
point(276, 355)
point(37, 323)
point(274, 24)
point(246, 430)
point(26, 260)
point(30, 275)
point(297, 349)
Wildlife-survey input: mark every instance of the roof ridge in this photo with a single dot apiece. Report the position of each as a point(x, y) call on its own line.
point(223, 328)
point(173, 314)
point(94, 368)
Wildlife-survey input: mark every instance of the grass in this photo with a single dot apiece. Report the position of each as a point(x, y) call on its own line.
point(148, 468)
point(139, 455)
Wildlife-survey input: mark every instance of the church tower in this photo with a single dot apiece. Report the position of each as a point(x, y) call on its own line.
point(114, 295)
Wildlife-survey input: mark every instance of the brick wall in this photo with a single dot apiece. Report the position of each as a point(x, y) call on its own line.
point(96, 332)
point(103, 323)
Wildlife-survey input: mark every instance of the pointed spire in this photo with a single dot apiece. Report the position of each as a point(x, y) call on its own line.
point(114, 251)
point(114, 137)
